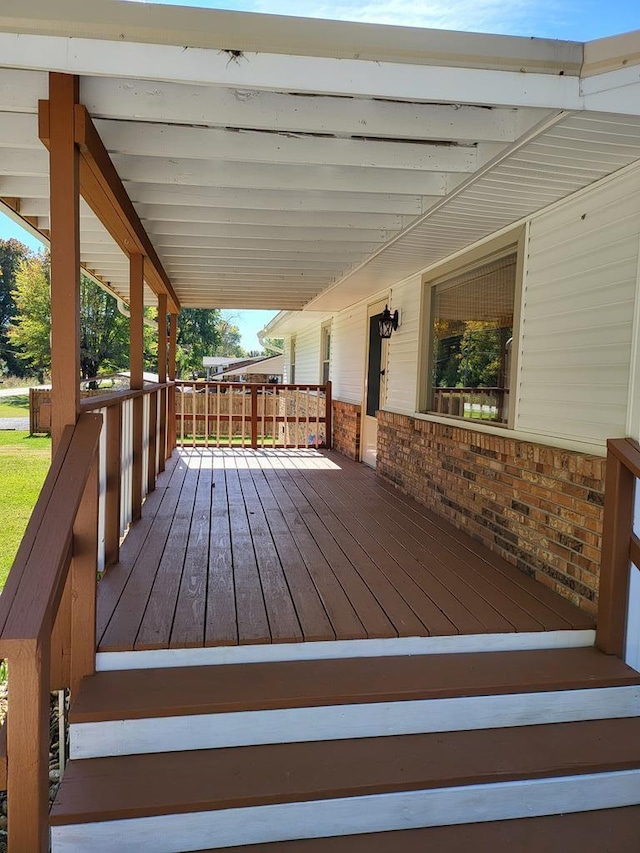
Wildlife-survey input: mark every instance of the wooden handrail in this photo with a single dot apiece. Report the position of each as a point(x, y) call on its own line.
point(59, 548)
point(115, 398)
point(619, 544)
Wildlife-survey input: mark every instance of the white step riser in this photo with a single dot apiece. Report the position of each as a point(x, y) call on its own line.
point(340, 649)
point(351, 815)
point(337, 722)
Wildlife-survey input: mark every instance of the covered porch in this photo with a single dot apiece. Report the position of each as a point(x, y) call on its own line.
point(238, 547)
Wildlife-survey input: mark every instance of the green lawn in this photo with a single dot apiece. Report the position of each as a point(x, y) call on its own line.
point(24, 462)
point(14, 407)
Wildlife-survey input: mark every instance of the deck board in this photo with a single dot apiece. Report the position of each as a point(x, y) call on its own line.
point(240, 547)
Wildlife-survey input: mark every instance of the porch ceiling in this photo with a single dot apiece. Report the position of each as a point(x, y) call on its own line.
point(280, 180)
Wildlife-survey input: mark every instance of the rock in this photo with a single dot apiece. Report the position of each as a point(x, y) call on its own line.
point(54, 775)
point(3, 822)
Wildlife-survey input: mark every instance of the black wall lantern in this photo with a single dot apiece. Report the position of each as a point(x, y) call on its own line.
point(388, 322)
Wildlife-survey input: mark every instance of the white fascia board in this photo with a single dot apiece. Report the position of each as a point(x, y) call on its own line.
point(613, 92)
point(277, 72)
point(117, 98)
point(288, 323)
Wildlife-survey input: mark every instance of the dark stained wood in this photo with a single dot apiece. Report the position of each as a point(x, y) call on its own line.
point(221, 618)
point(278, 599)
point(151, 450)
point(132, 786)
point(113, 485)
point(189, 620)
point(328, 415)
point(604, 831)
point(136, 580)
point(136, 363)
point(546, 606)
point(253, 623)
point(620, 483)
point(3, 755)
point(138, 694)
point(298, 549)
point(64, 178)
point(162, 377)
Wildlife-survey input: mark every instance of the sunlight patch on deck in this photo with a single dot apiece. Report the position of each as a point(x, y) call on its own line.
point(261, 459)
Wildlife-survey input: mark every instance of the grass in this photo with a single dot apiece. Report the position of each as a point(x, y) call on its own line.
point(14, 407)
point(24, 462)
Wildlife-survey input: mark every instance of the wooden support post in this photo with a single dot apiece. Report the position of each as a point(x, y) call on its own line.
point(114, 484)
point(254, 417)
point(614, 566)
point(28, 746)
point(64, 163)
point(136, 364)
point(328, 416)
point(171, 414)
point(84, 571)
point(162, 377)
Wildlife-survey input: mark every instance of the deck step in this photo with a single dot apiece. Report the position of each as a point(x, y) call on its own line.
point(120, 713)
point(180, 801)
point(604, 831)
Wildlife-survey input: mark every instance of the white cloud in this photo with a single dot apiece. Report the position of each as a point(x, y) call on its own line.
point(549, 18)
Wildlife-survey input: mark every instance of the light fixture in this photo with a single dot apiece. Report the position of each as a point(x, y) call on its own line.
point(388, 322)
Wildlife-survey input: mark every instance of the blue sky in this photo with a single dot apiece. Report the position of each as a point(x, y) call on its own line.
point(579, 20)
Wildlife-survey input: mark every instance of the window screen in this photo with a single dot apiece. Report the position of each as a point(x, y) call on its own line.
point(472, 333)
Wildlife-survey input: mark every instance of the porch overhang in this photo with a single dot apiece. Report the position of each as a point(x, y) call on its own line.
point(272, 164)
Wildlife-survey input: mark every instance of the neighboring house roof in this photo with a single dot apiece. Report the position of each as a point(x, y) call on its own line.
point(281, 164)
point(273, 366)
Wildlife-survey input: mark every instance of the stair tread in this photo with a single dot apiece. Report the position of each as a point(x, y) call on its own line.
point(135, 694)
point(136, 785)
point(603, 831)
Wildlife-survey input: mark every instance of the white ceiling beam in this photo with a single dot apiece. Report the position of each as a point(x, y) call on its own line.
point(29, 162)
point(24, 187)
point(236, 216)
point(229, 264)
point(20, 91)
point(111, 98)
point(212, 144)
point(265, 176)
point(19, 130)
point(164, 241)
point(284, 199)
point(266, 232)
point(279, 72)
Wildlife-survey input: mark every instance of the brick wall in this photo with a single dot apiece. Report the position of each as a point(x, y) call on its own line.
point(538, 507)
point(346, 428)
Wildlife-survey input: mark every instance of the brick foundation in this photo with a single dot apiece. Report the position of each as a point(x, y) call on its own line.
point(538, 507)
point(346, 429)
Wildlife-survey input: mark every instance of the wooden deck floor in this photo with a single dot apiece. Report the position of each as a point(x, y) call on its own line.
point(239, 546)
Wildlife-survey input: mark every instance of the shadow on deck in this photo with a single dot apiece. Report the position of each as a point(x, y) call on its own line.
point(241, 547)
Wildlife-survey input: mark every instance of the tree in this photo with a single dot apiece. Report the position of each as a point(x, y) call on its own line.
point(203, 331)
point(12, 252)
point(104, 331)
point(30, 331)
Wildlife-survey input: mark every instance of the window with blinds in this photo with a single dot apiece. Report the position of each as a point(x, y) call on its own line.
point(471, 340)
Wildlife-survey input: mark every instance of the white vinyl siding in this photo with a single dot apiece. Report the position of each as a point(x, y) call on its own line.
point(403, 352)
point(578, 310)
point(348, 349)
point(308, 355)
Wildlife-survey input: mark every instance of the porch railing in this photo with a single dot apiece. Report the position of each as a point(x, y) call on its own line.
point(475, 403)
point(252, 415)
point(101, 471)
point(618, 631)
point(135, 443)
point(47, 623)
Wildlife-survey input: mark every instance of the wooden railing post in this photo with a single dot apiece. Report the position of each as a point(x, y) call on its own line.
point(614, 569)
point(153, 426)
point(254, 417)
point(84, 571)
point(171, 369)
point(162, 378)
point(28, 746)
point(114, 483)
point(328, 415)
